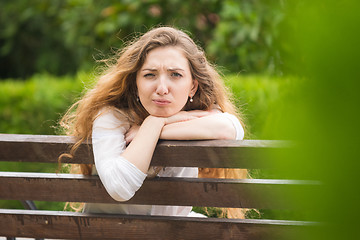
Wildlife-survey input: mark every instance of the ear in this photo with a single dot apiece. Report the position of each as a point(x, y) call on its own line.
point(194, 87)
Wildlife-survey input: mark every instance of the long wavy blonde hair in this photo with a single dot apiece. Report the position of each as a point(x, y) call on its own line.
point(117, 88)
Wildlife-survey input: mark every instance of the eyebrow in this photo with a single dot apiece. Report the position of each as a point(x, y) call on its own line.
point(169, 69)
point(176, 69)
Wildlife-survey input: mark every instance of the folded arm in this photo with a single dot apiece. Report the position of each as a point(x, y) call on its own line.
point(214, 126)
point(209, 126)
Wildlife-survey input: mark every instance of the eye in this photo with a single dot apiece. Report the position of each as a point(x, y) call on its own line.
point(149, 75)
point(176, 75)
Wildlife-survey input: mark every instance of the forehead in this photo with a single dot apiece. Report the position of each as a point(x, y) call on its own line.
point(169, 57)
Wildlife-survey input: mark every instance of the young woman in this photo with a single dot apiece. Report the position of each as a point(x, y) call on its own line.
point(160, 87)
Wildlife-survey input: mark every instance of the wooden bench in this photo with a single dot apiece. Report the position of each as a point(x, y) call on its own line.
point(240, 193)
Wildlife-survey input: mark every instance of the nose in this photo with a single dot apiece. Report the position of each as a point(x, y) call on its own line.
point(162, 87)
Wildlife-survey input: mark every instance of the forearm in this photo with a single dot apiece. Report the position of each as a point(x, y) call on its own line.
point(144, 142)
point(209, 127)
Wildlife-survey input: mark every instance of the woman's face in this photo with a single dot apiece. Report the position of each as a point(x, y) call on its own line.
point(164, 82)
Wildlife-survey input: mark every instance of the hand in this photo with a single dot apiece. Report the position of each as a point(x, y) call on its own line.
point(183, 116)
point(131, 133)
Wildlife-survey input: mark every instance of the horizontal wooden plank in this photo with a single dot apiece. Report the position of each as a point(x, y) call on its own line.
point(242, 193)
point(68, 225)
point(215, 153)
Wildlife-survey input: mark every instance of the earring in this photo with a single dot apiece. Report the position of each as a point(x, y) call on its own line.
point(138, 99)
point(191, 99)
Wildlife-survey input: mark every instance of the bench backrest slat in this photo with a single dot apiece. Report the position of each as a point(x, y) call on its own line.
point(220, 153)
point(91, 226)
point(249, 193)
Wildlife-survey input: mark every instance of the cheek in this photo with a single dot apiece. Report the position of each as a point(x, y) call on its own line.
point(142, 88)
point(182, 94)
point(184, 90)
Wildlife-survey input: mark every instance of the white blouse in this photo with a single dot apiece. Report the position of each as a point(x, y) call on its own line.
point(121, 178)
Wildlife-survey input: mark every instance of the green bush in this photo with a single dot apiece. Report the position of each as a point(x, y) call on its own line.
point(36, 105)
point(261, 99)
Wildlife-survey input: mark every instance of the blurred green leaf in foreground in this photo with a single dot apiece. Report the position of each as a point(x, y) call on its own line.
point(322, 39)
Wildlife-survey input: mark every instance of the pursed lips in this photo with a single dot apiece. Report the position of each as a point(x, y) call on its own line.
point(161, 102)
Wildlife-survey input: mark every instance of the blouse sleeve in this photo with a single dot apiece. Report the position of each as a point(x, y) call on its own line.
point(237, 125)
point(120, 178)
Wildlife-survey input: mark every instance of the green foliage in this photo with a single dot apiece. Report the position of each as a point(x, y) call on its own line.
point(209, 211)
point(36, 105)
point(41, 205)
point(261, 99)
point(61, 37)
point(244, 38)
point(323, 39)
point(31, 39)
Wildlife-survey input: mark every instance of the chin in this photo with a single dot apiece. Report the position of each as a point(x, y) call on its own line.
point(162, 114)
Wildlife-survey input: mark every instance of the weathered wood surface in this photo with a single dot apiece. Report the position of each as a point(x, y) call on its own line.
point(242, 193)
point(67, 225)
point(245, 193)
point(215, 153)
